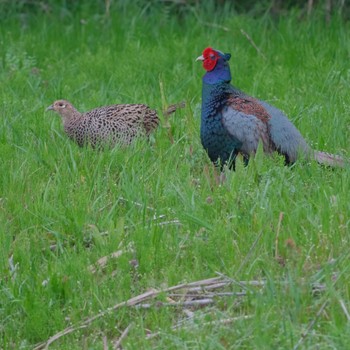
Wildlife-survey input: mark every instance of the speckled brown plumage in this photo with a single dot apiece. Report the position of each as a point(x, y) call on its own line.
point(106, 125)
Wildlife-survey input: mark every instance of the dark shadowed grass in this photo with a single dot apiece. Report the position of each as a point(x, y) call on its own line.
point(62, 208)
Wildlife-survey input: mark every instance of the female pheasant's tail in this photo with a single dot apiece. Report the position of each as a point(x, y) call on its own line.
point(328, 159)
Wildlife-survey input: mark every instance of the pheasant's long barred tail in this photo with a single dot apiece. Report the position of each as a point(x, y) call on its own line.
point(106, 126)
point(329, 159)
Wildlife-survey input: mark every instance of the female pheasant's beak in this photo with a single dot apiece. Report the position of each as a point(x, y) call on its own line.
point(50, 108)
point(200, 58)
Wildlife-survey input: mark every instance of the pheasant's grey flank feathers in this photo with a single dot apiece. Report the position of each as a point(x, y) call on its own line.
point(106, 125)
point(233, 122)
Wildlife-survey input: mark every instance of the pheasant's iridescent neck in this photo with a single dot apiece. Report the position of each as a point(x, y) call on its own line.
point(221, 74)
point(213, 97)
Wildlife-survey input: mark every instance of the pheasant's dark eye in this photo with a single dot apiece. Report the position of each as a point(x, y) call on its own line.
point(212, 57)
point(61, 104)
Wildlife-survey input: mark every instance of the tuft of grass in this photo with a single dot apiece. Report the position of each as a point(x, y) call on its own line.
point(62, 208)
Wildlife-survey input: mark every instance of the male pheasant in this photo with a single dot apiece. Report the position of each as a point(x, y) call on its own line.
point(234, 123)
point(106, 126)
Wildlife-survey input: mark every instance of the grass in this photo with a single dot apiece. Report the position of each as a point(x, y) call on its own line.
point(54, 194)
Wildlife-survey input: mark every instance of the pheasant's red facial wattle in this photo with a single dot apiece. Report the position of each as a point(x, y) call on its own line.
point(210, 57)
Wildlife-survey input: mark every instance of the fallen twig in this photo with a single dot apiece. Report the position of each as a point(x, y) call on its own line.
point(343, 306)
point(309, 7)
point(45, 345)
point(117, 342)
point(105, 342)
point(208, 294)
point(201, 289)
point(85, 323)
point(197, 286)
point(131, 302)
point(209, 287)
point(310, 325)
point(253, 44)
point(192, 303)
point(278, 233)
point(213, 25)
point(107, 7)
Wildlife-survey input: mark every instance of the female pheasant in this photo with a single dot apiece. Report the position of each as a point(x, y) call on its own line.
point(106, 126)
point(233, 122)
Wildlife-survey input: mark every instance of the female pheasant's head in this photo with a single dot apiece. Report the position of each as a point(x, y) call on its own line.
point(64, 108)
point(216, 65)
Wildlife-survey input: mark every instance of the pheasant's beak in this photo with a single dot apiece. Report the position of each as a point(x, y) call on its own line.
point(50, 108)
point(200, 58)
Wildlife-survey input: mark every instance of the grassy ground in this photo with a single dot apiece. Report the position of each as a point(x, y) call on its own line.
point(62, 208)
